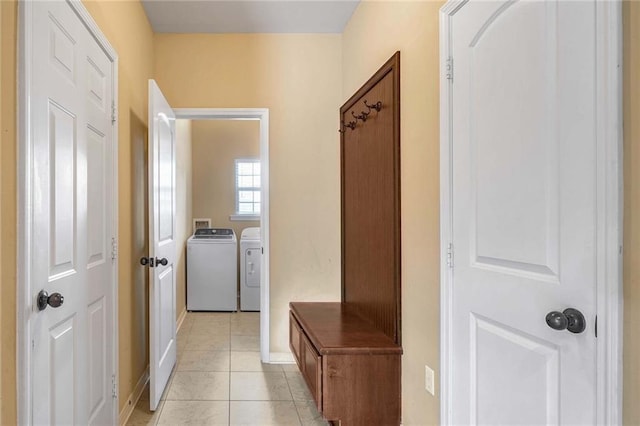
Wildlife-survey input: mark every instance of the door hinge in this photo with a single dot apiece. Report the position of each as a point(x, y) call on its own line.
point(114, 248)
point(450, 68)
point(114, 386)
point(450, 255)
point(596, 327)
point(113, 113)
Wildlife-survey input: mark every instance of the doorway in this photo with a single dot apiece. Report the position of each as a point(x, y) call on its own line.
point(262, 116)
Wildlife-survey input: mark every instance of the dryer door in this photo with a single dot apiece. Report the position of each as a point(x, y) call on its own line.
point(253, 259)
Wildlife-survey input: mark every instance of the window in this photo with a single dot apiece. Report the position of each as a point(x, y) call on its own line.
point(247, 187)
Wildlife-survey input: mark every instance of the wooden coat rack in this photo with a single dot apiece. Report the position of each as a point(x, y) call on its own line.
point(349, 352)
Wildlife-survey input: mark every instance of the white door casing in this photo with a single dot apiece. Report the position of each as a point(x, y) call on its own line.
point(530, 182)
point(261, 114)
point(67, 354)
point(162, 244)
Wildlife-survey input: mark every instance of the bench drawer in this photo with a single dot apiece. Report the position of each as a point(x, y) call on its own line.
point(312, 370)
point(295, 340)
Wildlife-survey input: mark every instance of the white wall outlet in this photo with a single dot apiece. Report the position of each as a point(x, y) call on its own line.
point(429, 380)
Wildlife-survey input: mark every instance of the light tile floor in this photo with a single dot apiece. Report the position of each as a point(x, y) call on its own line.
point(219, 379)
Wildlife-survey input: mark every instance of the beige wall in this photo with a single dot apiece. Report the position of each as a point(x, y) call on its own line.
point(183, 209)
point(216, 145)
point(631, 92)
point(298, 77)
point(126, 26)
point(8, 209)
point(374, 33)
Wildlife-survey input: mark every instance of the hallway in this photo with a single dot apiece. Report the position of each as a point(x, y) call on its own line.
point(219, 379)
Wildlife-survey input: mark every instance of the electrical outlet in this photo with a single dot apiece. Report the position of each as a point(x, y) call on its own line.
point(429, 380)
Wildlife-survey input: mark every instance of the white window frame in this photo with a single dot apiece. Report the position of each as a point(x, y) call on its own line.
point(238, 215)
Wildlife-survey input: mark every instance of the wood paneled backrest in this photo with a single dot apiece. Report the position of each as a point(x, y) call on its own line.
point(370, 181)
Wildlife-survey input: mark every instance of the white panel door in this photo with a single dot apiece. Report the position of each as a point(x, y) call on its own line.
point(524, 211)
point(71, 151)
point(162, 247)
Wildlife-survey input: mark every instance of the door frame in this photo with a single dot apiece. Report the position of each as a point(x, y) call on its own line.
point(609, 210)
point(261, 114)
point(25, 193)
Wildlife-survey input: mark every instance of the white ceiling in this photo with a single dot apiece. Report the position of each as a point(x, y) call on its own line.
point(249, 16)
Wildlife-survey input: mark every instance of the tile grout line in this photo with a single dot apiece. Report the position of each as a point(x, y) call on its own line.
point(286, 379)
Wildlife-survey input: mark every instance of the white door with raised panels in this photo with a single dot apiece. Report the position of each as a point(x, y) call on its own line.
point(162, 244)
point(525, 206)
point(70, 150)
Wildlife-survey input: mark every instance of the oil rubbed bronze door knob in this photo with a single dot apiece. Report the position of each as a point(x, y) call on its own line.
point(569, 319)
point(55, 300)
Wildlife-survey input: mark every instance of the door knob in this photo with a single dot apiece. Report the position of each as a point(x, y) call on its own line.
point(55, 300)
point(569, 319)
point(144, 261)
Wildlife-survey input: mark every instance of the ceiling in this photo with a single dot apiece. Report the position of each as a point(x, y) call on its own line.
point(249, 16)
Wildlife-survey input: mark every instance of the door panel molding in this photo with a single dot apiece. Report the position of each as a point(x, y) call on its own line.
point(609, 210)
point(25, 302)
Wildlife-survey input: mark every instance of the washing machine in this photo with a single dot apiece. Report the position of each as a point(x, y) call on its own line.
point(250, 262)
point(212, 270)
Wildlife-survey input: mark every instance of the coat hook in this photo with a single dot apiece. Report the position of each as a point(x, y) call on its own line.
point(362, 116)
point(377, 106)
point(351, 125)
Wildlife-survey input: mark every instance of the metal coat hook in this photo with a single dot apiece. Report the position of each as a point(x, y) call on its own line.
point(377, 106)
point(363, 116)
point(351, 125)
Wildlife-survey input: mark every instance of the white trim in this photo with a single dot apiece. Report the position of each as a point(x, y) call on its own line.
point(244, 217)
point(239, 216)
point(23, 293)
point(180, 320)
point(136, 394)
point(133, 399)
point(201, 219)
point(282, 358)
point(446, 214)
point(610, 193)
point(609, 237)
point(261, 114)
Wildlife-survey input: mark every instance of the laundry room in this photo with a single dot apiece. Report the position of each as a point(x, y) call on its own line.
point(218, 168)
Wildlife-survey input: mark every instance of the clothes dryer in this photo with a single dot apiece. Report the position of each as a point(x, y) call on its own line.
point(250, 266)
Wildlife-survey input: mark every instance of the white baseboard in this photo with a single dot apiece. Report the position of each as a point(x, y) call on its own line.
point(281, 358)
point(134, 397)
point(180, 319)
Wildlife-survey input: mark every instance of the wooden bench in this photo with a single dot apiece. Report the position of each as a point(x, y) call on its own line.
point(351, 367)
